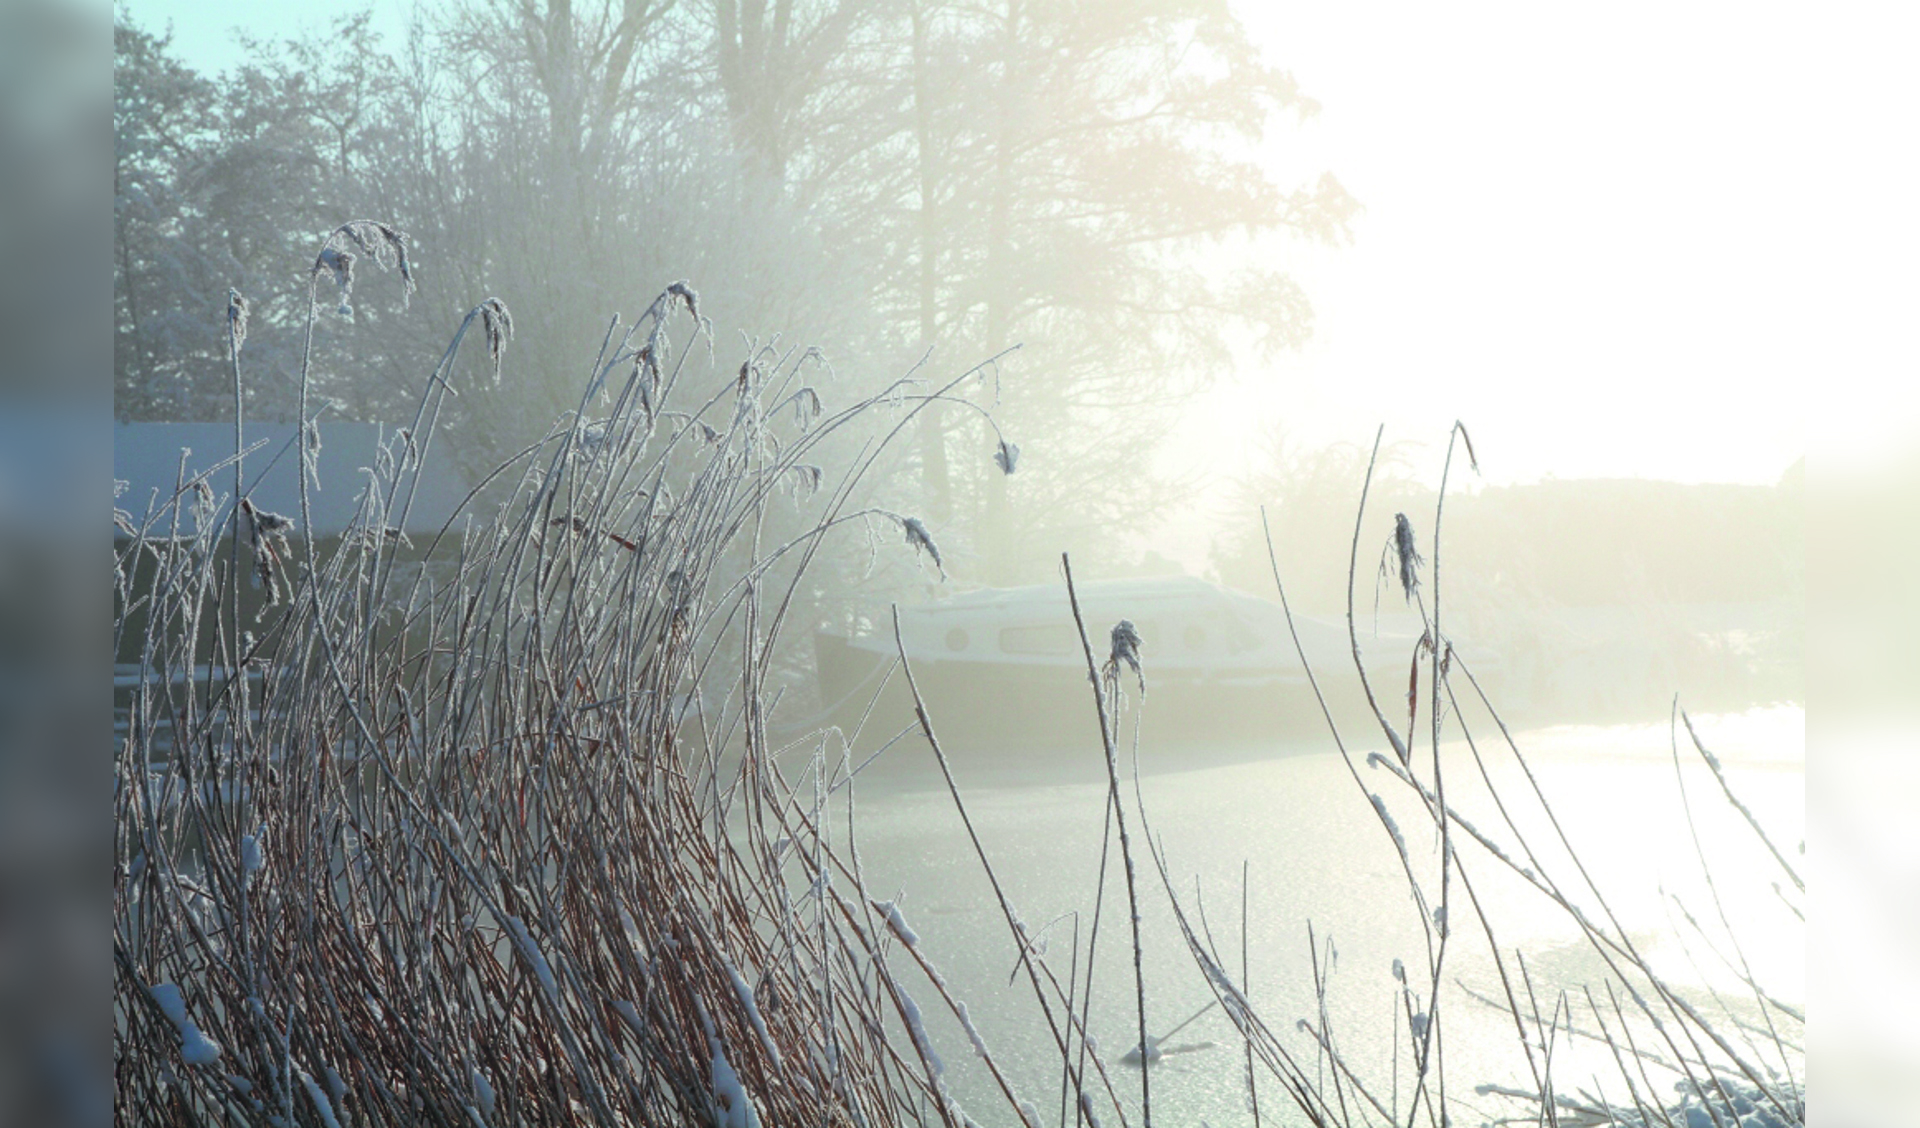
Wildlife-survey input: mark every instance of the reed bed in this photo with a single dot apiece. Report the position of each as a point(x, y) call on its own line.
point(499, 837)
point(497, 834)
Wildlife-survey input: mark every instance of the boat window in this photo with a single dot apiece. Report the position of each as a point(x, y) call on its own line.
point(1240, 637)
point(1051, 638)
point(957, 639)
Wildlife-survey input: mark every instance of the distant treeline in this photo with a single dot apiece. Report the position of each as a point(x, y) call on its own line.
point(1600, 596)
point(1583, 543)
point(1573, 543)
point(908, 187)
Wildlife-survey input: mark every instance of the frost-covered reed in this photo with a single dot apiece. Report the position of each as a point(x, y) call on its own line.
point(1735, 1061)
point(493, 832)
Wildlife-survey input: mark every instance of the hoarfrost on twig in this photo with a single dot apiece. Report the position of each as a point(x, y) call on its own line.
point(1393, 828)
point(483, 1092)
point(897, 922)
point(195, 1047)
point(732, 1107)
point(917, 1027)
point(251, 860)
point(523, 940)
point(310, 454)
point(922, 541)
point(318, 1097)
point(744, 991)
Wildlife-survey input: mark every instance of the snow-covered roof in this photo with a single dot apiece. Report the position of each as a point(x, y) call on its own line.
point(1045, 595)
point(1098, 598)
point(148, 457)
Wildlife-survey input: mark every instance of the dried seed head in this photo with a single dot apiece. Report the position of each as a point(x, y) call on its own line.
point(922, 541)
point(1407, 554)
point(387, 245)
point(1124, 646)
point(396, 241)
point(267, 531)
point(806, 405)
point(384, 244)
point(236, 318)
point(688, 295)
point(340, 265)
point(679, 592)
point(593, 436)
point(807, 477)
point(497, 321)
point(646, 373)
point(363, 236)
point(1007, 458)
point(268, 523)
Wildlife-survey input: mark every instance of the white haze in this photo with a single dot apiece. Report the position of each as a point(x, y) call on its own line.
point(1628, 241)
point(1642, 240)
point(1651, 240)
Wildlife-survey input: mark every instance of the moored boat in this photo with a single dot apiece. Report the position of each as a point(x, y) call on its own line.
point(1006, 667)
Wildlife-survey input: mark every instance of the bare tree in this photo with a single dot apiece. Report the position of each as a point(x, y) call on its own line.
point(1064, 177)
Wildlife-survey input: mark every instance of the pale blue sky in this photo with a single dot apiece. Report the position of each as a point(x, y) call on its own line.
point(203, 29)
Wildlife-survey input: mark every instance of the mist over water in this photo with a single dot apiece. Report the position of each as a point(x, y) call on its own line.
point(1314, 855)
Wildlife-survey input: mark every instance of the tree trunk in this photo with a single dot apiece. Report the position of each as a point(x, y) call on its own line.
point(997, 523)
point(936, 475)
